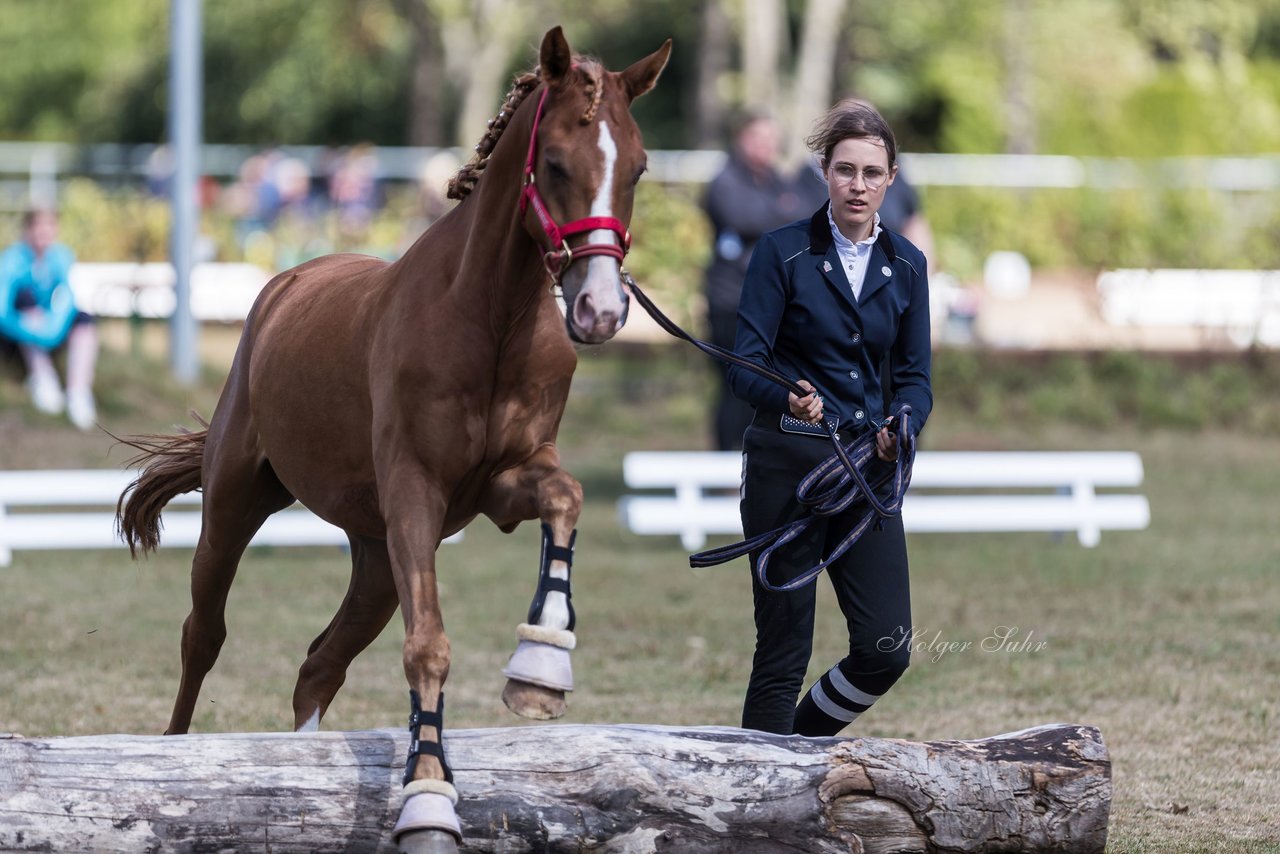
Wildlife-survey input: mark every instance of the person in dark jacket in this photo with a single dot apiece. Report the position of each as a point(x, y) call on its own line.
point(747, 198)
point(841, 304)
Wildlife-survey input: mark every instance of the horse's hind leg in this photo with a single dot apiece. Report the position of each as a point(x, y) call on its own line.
point(365, 611)
point(539, 673)
point(239, 495)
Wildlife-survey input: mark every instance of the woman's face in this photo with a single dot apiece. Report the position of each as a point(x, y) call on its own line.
point(858, 175)
point(42, 232)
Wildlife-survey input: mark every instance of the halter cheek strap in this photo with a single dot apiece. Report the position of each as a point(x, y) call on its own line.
point(557, 254)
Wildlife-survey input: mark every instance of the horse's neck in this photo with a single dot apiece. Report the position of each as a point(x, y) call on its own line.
point(481, 252)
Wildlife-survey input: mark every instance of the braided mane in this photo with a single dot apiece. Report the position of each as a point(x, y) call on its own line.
point(591, 71)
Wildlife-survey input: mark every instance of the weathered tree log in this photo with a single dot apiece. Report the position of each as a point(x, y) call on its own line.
point(563, 788)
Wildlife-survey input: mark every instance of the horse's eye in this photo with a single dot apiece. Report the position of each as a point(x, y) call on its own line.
point(557, 170)
point(639, 172)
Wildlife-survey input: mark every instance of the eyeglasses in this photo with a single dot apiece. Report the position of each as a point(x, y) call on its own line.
point(873, 177)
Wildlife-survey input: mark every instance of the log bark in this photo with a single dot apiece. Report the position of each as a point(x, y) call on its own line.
point(562, 788)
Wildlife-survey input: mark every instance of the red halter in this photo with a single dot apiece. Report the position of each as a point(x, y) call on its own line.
point(557, 255)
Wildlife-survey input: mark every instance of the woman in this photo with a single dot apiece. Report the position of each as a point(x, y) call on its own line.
point(843, 305)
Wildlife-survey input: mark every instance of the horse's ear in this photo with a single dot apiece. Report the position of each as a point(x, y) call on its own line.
point(555, 58)
point(640, 77)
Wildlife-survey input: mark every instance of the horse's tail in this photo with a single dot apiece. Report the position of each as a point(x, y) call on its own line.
point(170, 466)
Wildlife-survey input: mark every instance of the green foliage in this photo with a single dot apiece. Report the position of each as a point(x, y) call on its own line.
point(671, 247)
point(298, 70)
point(1100, 228)
point(1111, 390)
point(1099, 77)
point(1131, 78)
point(120, 225)
point(80, 69)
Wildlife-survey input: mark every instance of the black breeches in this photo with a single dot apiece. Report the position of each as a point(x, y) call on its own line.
point(870, 581)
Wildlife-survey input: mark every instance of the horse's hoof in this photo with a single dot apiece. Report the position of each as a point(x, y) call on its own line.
point(427, 842)
point(534, 701)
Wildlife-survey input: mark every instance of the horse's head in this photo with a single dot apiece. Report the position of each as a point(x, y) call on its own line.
point(587, 157)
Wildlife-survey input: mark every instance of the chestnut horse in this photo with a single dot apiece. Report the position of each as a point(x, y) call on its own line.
point(399, 401)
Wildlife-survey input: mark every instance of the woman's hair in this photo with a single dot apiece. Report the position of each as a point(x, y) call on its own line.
point(30, 215)
point(851, 119)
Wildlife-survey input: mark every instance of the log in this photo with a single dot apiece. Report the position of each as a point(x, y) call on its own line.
point(562, 788)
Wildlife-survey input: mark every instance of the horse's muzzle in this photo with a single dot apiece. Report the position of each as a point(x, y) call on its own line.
point(590, 322)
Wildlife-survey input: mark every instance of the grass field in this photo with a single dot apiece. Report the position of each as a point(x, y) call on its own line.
point(1168, 639)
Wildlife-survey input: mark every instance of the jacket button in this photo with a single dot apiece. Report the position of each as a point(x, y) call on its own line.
point(853, 375)
point(859, 415)
point(857, 336)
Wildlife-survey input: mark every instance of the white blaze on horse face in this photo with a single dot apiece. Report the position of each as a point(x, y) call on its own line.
point(603, 281)
point(602, 204)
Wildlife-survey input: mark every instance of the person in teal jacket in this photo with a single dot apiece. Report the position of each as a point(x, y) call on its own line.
point(38, 314)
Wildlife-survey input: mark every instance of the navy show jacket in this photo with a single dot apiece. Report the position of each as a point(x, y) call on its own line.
point(798, 316)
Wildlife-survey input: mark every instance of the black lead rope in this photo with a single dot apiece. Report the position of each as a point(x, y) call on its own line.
point(833, 486)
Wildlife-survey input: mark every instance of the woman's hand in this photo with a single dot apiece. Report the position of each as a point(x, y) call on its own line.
point(887, 443)
point(807, 408)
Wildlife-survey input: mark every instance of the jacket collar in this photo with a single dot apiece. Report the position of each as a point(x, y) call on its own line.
point(820, 239)
point(822, 244)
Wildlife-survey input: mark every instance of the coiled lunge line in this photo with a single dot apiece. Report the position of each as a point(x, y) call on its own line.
point(833, 486)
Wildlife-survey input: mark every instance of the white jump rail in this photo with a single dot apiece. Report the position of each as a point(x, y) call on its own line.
point(66, 511)
point(1068, 500)
point(220, 292)
point(1243, 303)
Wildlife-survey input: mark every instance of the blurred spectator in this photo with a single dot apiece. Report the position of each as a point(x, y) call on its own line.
point(291, 178)
point(160, 171)
point(433, 181)
point(354, 191)
point(252, 199)
point(749, 197)
point(39, 315)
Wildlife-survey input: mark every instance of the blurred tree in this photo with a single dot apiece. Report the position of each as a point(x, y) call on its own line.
point(706, 102)
point(769, 33)
point(426, 125)
point(814, 82)
point(1090, 77)
point(764, 27)
point(75, 71)
point(300, 71)
point(480, 38)
point(1020, 127)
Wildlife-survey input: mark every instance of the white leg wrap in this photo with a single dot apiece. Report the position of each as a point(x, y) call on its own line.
point(427, 811)
point(542, 658)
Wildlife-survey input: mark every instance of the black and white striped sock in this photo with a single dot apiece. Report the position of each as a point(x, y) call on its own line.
point(831, 704)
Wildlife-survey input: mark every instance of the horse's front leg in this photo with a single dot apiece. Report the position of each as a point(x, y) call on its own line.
point(539, 673)
point(415, 512)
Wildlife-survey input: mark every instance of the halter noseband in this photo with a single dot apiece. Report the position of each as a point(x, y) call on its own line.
point(557, 255)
